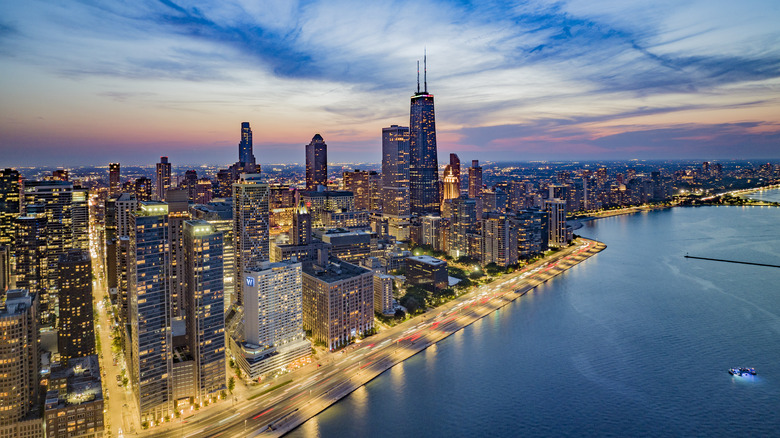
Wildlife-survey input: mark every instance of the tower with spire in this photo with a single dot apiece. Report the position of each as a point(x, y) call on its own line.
point(423, 159)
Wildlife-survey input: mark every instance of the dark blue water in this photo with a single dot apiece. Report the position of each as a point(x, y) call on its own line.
point(636, 341)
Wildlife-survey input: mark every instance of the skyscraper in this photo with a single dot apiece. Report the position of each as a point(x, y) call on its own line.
point(29, 250)
point(163, 178)
point(357, 182)
point(395, 170)
point(205, 306)
point(10, 207)
point(19, 384)
point(273, 318)
point(76, 332)
point(316, 163)
point(455, 168)
point(301, 225)
point(150, 356)
point(245, 153)
point(250, 225)
point(475, 185)
point(56, 198)
point(113, 179)
point(556, 209)
point(423, 159)
point(190, 183)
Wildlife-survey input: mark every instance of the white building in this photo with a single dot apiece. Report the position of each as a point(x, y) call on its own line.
point(273, 334)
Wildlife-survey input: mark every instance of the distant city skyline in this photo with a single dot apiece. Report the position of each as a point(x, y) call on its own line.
point(582, 80)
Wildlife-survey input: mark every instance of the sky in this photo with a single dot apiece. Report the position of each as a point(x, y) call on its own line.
point(87, 82)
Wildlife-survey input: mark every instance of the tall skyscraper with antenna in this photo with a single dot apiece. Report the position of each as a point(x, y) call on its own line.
point(423, 160)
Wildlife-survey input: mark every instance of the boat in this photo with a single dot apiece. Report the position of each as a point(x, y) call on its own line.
point(742, 372)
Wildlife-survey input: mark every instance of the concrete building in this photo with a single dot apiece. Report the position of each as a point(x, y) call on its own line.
point(75, 326)
point(10, 205)
point(383, 294)
point(19, 359)
point(556, 209)
point(338, 301)
point(426, 271)
point(113, 179)
point(74, 400)
point(358, 183)
point(499, 240)
point(346, 245)
point(273, 333)
point(250, 225)
point(219, 213)
point(29, 250)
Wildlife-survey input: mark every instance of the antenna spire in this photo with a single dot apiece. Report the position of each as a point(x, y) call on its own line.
point(418, 75)
point(425, 69)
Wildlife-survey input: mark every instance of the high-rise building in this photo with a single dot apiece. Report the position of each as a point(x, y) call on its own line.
point(74, 402)
point(190, 183)
point(224, 187)
point(556, 208)
point(455, 168)
point(301, 226)
point(250, 225)
point(29, 251)
point(273, 333)
point(245, 153)
point(220, 215)
point(338, 301)
point(5, 267)
point(395, 170)
point(19, 384)
point(462, 223)
point(451, 183)
point(178, 212)
point(499, 240)
point(80, 214)
point(475, 179)
point(75, 332)
point(203, 191)
point(113, 179)
point(383, 294)
point(10, 206)
point(56, 197)
point(358, 183)
point(163, 178)
point(316, 163)
point(423, 159)
point(205, 306)
point(150, 356)
point(143, 189)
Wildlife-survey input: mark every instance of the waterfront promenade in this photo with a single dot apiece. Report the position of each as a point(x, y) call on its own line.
point(312, 389)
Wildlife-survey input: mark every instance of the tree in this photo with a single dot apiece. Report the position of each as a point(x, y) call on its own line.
point(231, 384)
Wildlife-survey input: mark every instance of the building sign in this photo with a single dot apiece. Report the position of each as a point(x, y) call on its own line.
point(250, 281)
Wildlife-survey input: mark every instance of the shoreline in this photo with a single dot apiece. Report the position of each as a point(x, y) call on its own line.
point(486, 307)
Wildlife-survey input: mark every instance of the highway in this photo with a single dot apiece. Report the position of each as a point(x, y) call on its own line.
point(315, 387)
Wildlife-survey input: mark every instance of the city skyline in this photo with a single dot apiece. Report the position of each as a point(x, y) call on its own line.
point(582, 80)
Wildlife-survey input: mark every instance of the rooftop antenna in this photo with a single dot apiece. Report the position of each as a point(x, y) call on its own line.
point(425, 69)
point(418, 76)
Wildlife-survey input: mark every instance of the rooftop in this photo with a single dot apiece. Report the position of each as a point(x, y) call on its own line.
point(428, 259)
point(335, 271)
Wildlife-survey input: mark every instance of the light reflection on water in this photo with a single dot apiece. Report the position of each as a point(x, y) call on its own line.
point(636, 341)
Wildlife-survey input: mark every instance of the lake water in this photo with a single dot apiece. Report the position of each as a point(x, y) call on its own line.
point(635, 341)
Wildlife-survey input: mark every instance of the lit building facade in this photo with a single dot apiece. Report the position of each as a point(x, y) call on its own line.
point(205, 306)
point(426, 271)
point(10, 205)
point(149, 364)
point(245, 153)
point(423, 159)
point(75, 326)
point(113, 179)
point(273, 333)
point(338, 301)
point(163, 181)
point(499, 240)
point(250, 225)
point(19, 345)
point(556, 209)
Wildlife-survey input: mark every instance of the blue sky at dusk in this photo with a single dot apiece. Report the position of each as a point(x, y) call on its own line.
point(93, 81)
